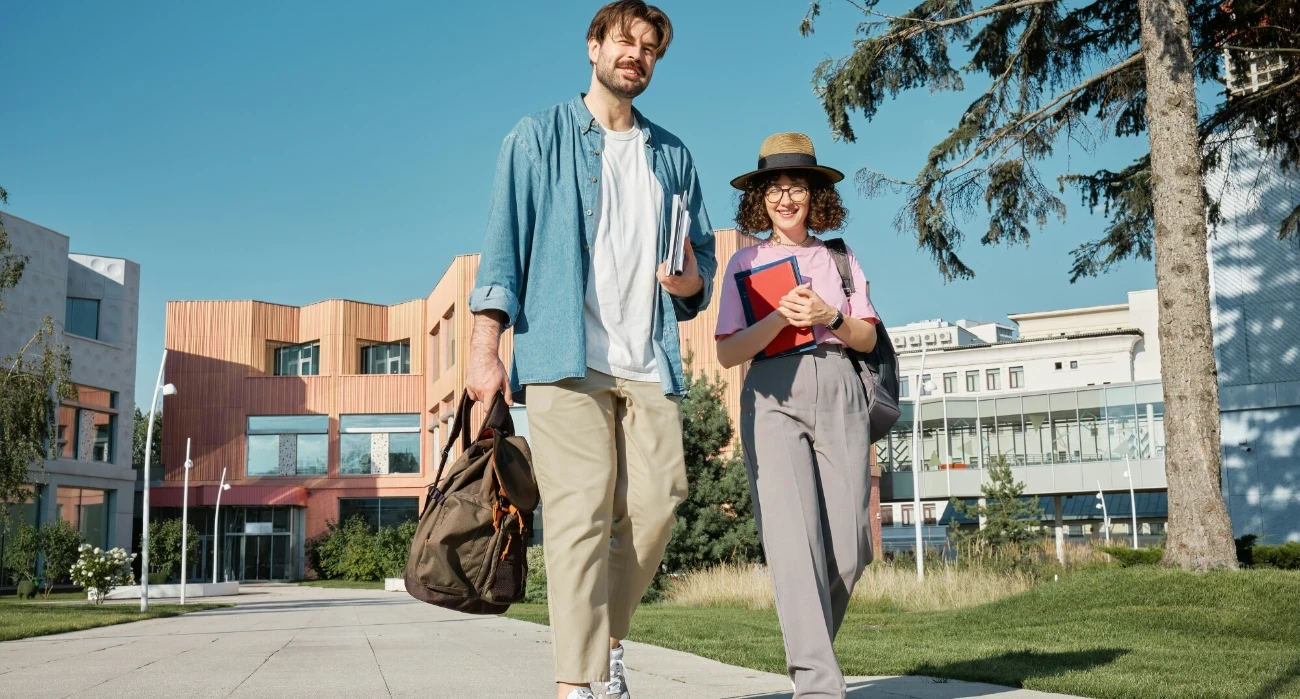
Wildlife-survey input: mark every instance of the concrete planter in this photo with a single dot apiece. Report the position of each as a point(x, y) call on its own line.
point(394, 585)
point(192, 590)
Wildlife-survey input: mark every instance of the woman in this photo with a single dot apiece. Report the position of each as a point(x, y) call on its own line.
point(803, 417)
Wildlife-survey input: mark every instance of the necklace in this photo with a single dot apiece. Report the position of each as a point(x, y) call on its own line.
point(806, 242)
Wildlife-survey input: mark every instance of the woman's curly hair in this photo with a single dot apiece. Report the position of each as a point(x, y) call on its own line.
point(826, 210)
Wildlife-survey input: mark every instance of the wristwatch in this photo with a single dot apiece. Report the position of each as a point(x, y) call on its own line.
point(835, 324)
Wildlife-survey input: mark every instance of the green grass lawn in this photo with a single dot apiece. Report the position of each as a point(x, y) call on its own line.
point(345, 584)
point(54, 597)
point(1139, 633)
point(24, 619)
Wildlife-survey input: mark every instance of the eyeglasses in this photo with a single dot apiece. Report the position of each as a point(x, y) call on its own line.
point(774, 193)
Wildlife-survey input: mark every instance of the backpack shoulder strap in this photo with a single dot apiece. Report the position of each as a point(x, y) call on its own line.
point(840, 252)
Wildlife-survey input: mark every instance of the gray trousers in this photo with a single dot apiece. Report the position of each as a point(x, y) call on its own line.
point(804, 426)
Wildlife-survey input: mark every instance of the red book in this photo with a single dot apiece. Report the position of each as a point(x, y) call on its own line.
point(761, 291)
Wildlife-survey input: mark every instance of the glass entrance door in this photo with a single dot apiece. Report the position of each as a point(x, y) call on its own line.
point(258, 544)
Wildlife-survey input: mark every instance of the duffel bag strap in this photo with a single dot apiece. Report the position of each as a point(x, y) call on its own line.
point(459, 428)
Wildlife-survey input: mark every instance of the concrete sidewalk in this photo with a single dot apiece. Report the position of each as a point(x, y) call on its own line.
point(288, 641)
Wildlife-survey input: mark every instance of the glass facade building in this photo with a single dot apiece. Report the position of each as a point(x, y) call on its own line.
point(1096, 423)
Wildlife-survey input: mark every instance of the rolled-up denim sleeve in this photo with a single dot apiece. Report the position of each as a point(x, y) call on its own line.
point(499, 285)
point(703, 243)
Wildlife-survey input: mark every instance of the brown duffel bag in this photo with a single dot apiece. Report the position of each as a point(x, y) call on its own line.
point(469, 553)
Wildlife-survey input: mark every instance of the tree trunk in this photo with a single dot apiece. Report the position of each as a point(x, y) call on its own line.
point(1200, 534)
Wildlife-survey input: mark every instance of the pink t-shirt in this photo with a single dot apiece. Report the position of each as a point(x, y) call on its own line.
point(816, 265)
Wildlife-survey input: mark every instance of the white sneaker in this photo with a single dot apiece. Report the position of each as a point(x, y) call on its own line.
point(581, 693)
point(616, 688)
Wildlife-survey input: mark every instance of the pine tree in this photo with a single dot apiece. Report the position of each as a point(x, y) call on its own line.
point(1055, 72)
point(1012, 523)
point(716, 522)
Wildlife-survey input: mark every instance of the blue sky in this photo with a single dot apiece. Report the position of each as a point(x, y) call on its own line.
point(296, 151)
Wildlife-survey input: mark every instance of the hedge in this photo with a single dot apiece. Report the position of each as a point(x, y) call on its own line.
point(1127, 557)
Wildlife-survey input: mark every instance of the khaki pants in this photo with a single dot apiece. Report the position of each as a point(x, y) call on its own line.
point(611, 469)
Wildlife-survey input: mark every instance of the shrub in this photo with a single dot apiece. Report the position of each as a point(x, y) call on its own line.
point(354, 551)
point(1245, 549)
point(1127, 557)
point(61, 544)
point(21, 552)
point(536, 590)
point(394, 546)
point(165, 545)
point(1286, 556)
point(100, 571)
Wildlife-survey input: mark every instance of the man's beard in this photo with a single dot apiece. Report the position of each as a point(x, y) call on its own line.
point(616, 85)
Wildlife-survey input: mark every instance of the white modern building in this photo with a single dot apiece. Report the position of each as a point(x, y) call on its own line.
point(1071, 398)
point(94, 303)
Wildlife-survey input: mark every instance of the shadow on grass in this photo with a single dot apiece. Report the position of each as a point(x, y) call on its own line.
point(1277, 684)
point(1013, 668)
point(1010, 670)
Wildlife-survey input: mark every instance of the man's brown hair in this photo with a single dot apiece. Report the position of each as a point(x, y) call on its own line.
point(620, 15)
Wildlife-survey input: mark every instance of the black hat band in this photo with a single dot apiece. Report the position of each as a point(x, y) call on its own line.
point(783, 160)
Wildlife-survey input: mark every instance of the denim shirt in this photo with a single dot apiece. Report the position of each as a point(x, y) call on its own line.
point(541, 226)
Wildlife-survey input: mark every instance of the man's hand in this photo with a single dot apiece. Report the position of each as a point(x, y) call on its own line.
point(486, 374)
point(689, 282)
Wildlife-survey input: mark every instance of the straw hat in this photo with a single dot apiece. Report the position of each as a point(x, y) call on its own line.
point(787, 151)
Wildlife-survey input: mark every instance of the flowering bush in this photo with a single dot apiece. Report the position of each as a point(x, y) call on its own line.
point(100, 571)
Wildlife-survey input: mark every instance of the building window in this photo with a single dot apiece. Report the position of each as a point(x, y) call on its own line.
point(87, 424)
point(449, 337)
point(393, 358)
point(435, 348)
point(380, 512)
point(288, 445)
point(1058, 367)
point(973, 381)
point(887, 516)
point(950, 382)
point(298, 360)
point(907, 515)
point(928, 512)
point(1017, 374)
point(993, 380)
point(921, 389)
point(81, 317)
point(904, 389)
point(1074, 364)
point(379, 444)
point(87, 511)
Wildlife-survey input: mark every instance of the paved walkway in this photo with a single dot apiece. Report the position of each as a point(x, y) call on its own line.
point(286, 641)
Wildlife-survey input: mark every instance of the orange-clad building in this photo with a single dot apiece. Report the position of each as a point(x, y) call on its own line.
point(319, 413)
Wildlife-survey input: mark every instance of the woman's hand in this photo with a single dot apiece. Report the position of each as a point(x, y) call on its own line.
point(803, 308)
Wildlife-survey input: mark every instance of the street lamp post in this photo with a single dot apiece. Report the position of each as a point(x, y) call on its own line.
point(1132, 498)
point(185, 520)
point(216, 525)
point(1105, 517)
point(916, 464)
point(166, 390)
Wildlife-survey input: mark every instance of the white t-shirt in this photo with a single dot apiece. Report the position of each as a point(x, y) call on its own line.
point(622, 284)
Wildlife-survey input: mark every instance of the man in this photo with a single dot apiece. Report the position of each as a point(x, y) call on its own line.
point(573, 260)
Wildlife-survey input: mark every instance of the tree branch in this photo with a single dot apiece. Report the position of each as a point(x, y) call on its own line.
point(940, 24)
point(1002, 133)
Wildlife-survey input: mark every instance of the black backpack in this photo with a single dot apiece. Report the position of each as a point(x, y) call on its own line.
point(878, 368)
